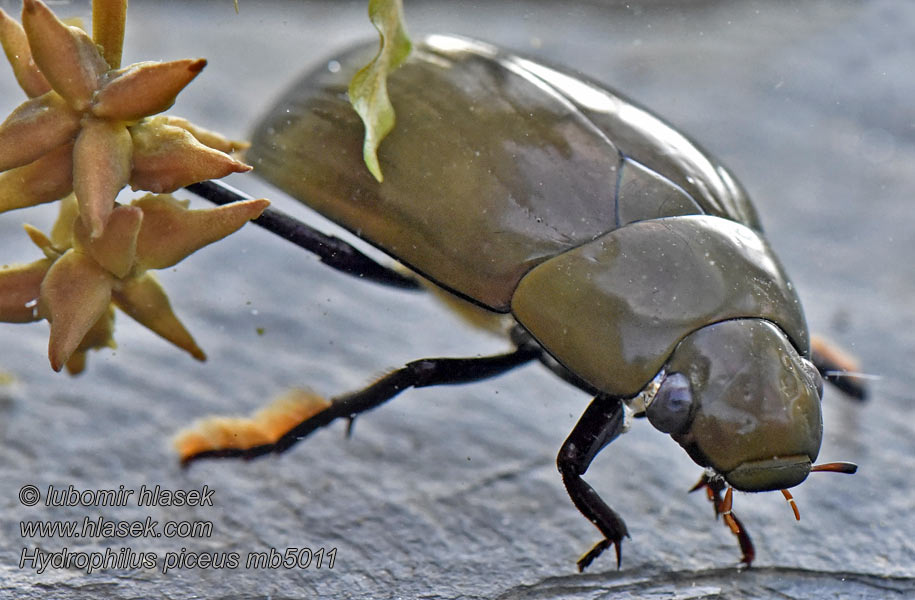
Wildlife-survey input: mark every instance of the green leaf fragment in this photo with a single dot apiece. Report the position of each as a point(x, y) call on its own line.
point(368, 91)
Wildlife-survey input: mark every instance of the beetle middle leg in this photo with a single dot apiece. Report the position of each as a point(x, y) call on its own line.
point(215, 438)
point(600, 424)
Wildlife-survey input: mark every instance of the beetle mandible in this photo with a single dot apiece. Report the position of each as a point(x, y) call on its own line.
point(631, 263)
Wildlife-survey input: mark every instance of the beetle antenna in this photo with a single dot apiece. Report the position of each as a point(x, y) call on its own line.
point(713, 485)
point(729, 519)
point(790, 499)
point(836, 467)
point(833, 467)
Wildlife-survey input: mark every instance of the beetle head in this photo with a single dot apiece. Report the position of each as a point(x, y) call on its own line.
point(740, 399)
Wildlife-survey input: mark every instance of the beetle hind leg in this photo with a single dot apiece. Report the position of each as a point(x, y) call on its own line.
point(600, 424)
point(332, 251)
point(289, 419)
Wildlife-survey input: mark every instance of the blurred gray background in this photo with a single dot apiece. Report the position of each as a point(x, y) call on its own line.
point(453, 492)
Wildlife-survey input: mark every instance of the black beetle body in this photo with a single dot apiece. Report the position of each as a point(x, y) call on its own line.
point(633, 263)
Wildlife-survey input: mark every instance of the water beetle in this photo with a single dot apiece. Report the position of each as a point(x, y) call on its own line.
point(631, 263)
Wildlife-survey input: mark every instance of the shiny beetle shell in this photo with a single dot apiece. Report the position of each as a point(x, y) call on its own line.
point(618, 243)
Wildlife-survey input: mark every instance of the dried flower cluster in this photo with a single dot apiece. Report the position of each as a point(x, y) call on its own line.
point(87, 131)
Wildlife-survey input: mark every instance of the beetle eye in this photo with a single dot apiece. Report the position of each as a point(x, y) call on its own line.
point(670, 410)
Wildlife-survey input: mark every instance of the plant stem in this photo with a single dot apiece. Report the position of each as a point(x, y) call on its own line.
point(108, 19)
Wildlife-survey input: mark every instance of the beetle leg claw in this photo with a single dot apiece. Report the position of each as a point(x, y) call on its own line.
point(588, 557)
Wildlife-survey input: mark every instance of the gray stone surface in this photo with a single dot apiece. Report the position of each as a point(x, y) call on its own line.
point(453, 493)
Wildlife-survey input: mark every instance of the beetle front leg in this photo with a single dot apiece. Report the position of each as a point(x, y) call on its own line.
point(837, 367)
point(601, 423)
